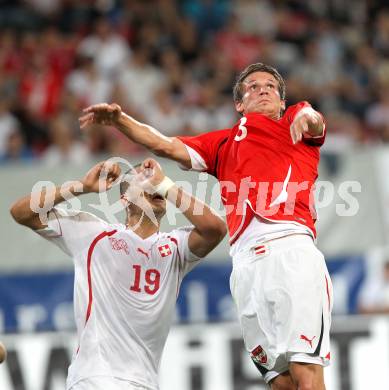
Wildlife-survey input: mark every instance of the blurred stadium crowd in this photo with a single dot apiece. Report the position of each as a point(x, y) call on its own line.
point(172, 64)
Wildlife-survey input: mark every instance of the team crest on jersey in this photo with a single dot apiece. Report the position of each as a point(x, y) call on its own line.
point(165, 250)
point(119, 245)
point(258, 355)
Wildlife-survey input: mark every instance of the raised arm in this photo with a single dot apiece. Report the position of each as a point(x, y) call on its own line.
point(32, 209)
point(209, 228)
point(140, 133)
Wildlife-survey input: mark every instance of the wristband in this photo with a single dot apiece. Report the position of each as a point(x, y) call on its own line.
point(306, 110)
point(164, 186)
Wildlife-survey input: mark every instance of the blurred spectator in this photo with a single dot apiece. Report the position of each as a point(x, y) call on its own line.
point(346, 132)
point(360, 75)
point(11, 61)
point(210, 112)
point(97, 139)
point(165, 114)
point(209, 15)
point(187, 40)
point(45, 7)
point(377, 115)
point(65, 148)
point(108, 49)
point(330, 42)
point(40, 87)
point(292, 24)
point(374, 298)
point(140, 79)
point(8, 124)
point(16, 149)
point(58, 49)
point(174, 72)
point(239, 48)
point(118, 145)
point(176, 62)
point(87, 85)
point(315, 79)
point(255, 17)
point(381, 32)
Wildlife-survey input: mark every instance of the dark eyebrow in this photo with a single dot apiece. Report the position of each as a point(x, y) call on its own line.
point(266, 81)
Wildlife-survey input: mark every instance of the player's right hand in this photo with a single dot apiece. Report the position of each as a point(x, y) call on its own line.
point(102, 114)
point(101, 177)
point(150, 175)
point(153, 171)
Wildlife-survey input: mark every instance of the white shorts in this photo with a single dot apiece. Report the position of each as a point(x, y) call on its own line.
point(283, 294)
point(106, 383)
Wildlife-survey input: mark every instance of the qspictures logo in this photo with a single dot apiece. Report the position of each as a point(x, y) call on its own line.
point(226, 197)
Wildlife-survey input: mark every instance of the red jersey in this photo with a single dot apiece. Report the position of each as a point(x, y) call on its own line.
point(258, 165)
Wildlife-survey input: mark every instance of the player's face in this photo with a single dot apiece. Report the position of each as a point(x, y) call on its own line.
point(260, 94)
point(141, 201)
point(157, 203)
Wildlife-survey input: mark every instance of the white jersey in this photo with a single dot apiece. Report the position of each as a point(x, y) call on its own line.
point(125, 290)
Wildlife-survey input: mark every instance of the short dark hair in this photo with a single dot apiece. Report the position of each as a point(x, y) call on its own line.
point(124, 184)
point(258, 67)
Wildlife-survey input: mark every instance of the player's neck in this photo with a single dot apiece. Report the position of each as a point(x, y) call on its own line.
point(272, 115)
point(142, 225)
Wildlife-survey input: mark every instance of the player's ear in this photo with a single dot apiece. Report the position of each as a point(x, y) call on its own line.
point(239, 107)
point(283, 105)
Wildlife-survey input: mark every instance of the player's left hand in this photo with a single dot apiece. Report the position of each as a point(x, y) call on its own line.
point(303, 123)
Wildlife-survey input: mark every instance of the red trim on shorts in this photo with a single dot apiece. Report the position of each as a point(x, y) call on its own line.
point(328, 295)
point(89, 262)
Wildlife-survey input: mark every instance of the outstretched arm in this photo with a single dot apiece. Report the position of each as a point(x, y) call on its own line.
point(209, 228)
point(140, 133)
point(100, 177)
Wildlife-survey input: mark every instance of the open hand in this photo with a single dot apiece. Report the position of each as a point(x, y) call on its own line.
point(103, 114)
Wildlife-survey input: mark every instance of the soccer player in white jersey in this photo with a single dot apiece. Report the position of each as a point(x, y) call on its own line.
point(127, 276)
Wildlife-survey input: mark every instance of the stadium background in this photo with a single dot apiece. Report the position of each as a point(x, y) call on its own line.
point(172, 64)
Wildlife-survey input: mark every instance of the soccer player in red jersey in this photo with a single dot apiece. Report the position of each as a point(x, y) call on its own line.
point(266, 164)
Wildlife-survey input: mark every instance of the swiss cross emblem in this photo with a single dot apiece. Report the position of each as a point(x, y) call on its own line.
point(164, 250)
